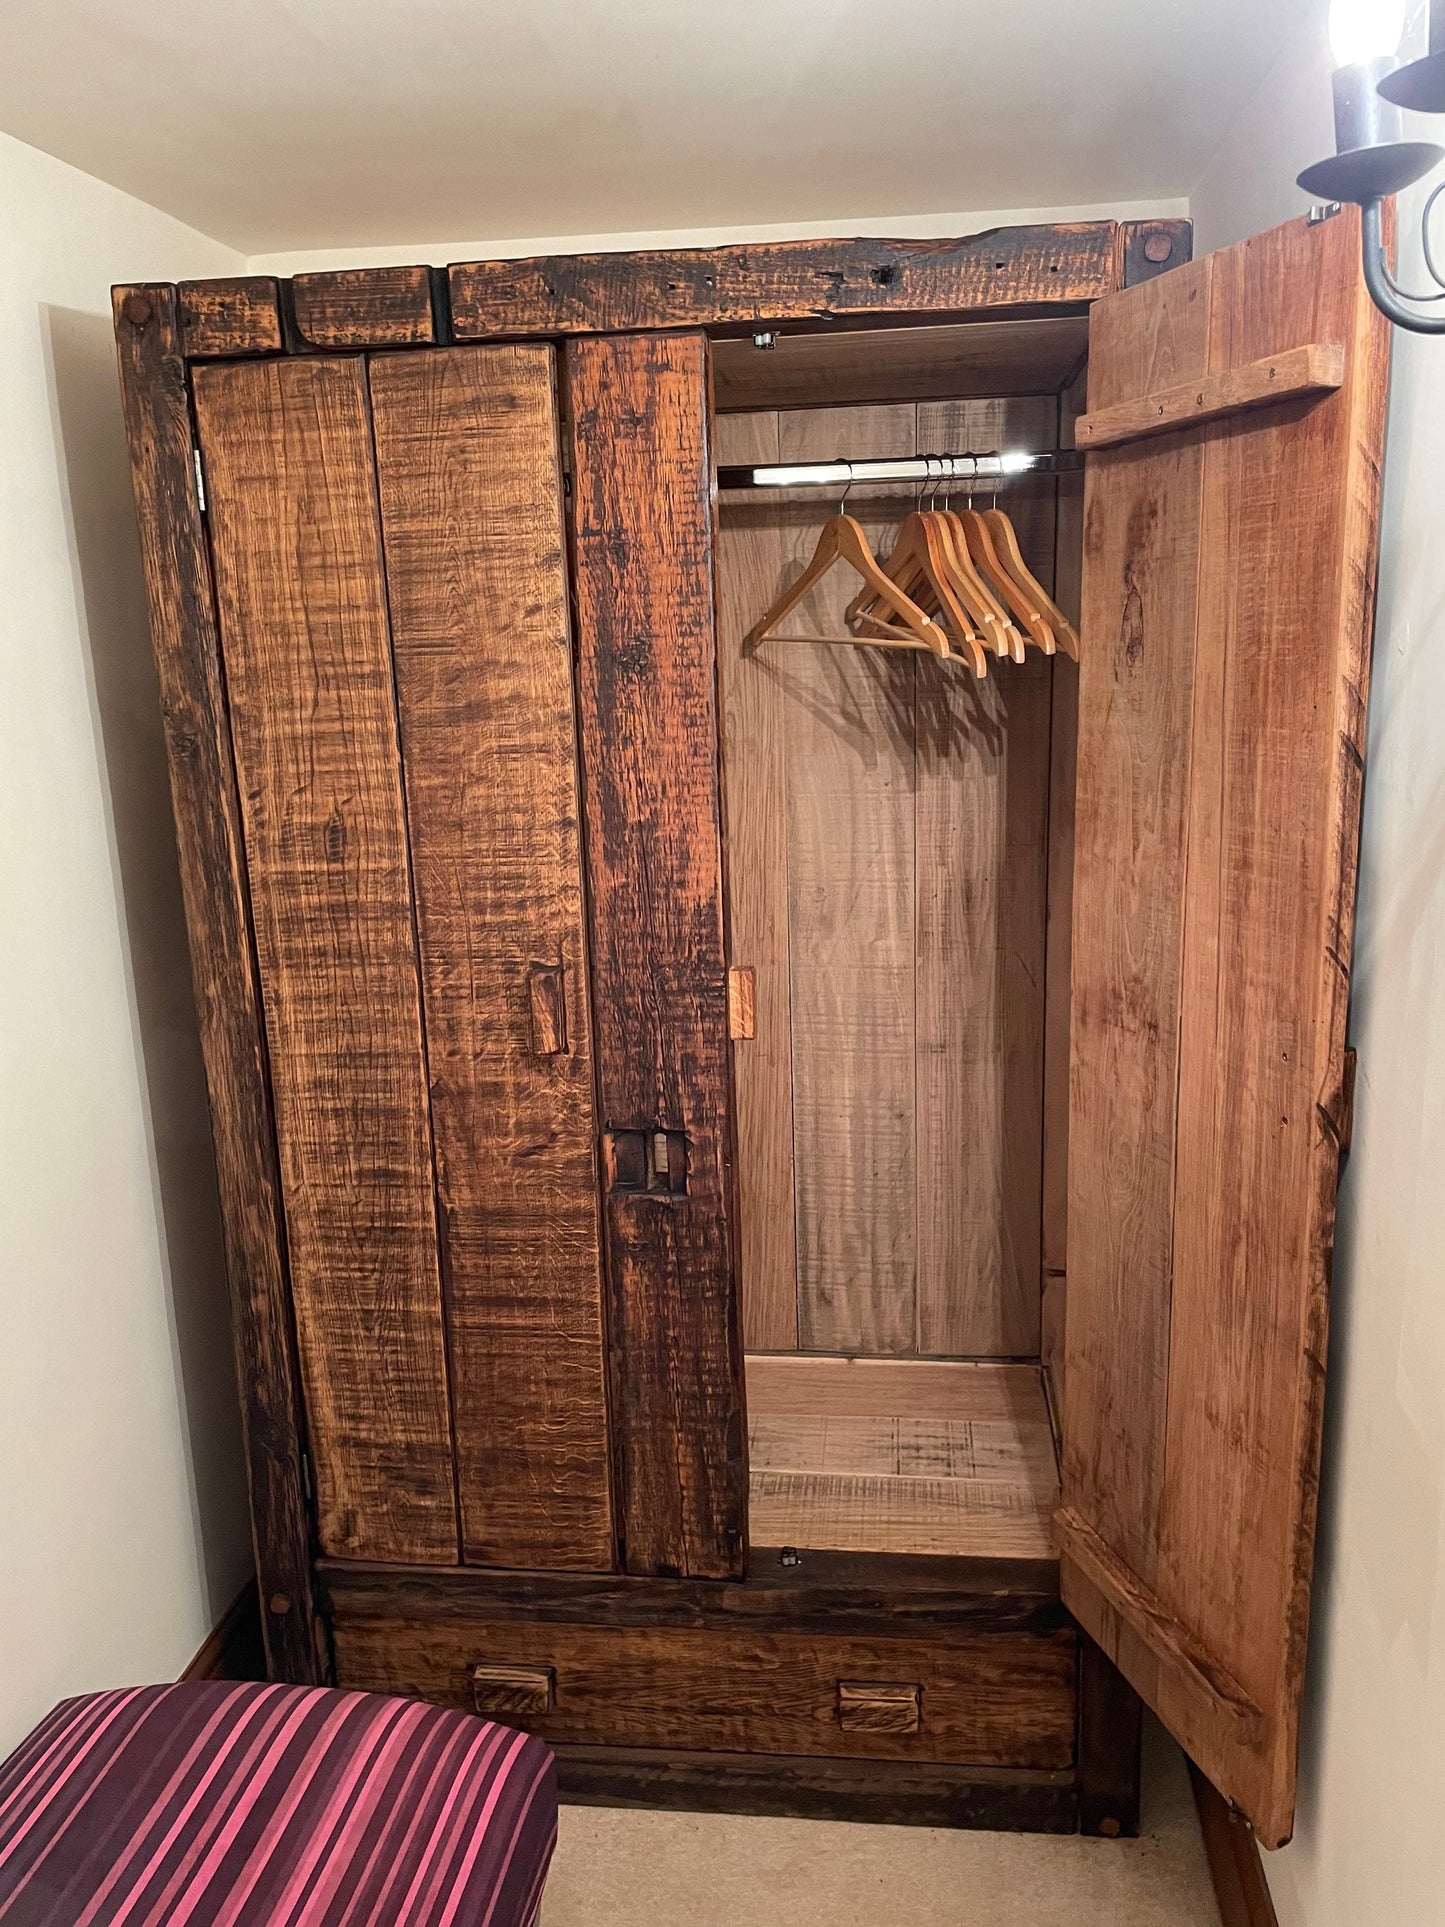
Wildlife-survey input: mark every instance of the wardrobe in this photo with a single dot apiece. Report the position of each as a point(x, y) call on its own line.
point(778, 1199)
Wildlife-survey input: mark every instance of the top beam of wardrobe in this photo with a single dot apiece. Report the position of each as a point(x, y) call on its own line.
point(1020, 270)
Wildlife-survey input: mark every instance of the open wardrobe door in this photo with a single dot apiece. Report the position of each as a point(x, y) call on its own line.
point(1237, 407)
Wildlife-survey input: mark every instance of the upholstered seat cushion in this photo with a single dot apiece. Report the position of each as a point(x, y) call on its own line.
point(210, 1805)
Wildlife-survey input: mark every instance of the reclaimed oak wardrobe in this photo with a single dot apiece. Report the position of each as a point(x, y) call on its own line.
point(778, 1203)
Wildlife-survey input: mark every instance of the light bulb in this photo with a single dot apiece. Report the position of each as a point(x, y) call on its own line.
point(1363, 30)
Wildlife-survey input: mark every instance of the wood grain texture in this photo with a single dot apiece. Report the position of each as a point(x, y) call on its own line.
point(1006, 1700)
point(363, 308)
point(884, 1792)
point(470, 486)
point(940, 1460)
point(241, 316)
point(1309, 370)
point(647, 673)
point(850, 729)
point(299, 588)
point(1280, 592)
point(878, 1706)
point(512, 1692)
point(751, 559)
point(1153, 247)
point(784, 281)
point(179, 594)
point(981, 814)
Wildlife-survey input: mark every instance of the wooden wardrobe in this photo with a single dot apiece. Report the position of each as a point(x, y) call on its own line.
point(778, 1203)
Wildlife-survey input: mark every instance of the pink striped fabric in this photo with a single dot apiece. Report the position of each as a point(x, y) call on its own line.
point(211, 1805)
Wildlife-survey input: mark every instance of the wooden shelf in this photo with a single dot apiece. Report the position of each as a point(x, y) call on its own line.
point(904, 1455)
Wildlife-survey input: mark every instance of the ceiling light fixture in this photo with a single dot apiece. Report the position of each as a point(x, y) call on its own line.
point(1372, 159)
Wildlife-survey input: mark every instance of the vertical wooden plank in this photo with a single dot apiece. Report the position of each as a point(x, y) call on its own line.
point(208, 842)
point(751, 560)
point(851, 891)
point(647, 665)
point(981, 842)
point(470, 481)
point(297, 553)
point(1141, 528)
point(1063, 758)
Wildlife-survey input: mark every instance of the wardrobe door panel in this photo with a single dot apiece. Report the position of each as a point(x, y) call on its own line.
point(298, 568)
point(471, 500)
point(643, 536)
point(1228, 589)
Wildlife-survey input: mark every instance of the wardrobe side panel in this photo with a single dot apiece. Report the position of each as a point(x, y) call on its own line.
point(647, 667)
point(471, 503)
point(297, 551)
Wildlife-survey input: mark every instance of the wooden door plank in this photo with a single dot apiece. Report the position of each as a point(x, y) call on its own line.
point(751, 560)
point(851, 909)
point(784, 280)
point(647, 669)
point(1142, 510)
point(981, 842)
point(297, 549)
point(470, 482)
point(177, 572)
point(1198, 1477)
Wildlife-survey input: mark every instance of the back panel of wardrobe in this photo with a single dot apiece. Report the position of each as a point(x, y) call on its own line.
point(888, 849)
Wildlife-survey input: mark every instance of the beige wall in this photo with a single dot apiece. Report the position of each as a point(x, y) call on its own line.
point(1372, 1787)
point(122, 1509)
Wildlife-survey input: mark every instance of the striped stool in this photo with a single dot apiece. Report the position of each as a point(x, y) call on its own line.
point(214, 1805)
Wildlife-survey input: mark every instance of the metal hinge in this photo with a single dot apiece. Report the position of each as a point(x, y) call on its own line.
point(306, 1482)
point(1323, 211)
point(200, 480)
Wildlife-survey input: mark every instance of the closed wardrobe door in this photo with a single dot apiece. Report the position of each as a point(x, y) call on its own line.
point(388, 556)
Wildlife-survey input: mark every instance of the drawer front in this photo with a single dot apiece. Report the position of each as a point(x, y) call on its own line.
point(995, 1699)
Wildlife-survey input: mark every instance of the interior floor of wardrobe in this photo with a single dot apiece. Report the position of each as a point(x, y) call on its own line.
point(900, 1455)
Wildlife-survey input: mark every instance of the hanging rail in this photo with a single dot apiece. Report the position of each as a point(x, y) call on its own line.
point(992, 468)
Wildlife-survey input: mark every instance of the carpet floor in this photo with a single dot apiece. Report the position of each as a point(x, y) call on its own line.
point(619, 1868)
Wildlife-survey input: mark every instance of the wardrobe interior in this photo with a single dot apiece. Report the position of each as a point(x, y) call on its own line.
point(899, 847)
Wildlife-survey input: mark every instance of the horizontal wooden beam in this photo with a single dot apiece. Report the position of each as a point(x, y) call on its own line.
point(364, 308)
point(241, 316)
point(784, 281)
point(1085, 1556)
point(1314, 369)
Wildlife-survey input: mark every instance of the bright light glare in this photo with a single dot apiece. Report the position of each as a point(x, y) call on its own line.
point(1365, 29)
point(1015, 463)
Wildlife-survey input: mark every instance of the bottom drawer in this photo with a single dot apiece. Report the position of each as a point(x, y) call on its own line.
point(996, 1699)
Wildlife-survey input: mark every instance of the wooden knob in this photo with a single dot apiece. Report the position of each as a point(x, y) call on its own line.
point(1158, 247)
point(137, 309)
point(279, 1604)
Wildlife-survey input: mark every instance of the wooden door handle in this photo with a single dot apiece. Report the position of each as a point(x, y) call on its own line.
point(513, 1692)
point(547, 990)
point(879, 1706)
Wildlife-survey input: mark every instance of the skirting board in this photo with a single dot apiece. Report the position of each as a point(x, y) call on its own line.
point(1234, 1863)
point(233, 1649)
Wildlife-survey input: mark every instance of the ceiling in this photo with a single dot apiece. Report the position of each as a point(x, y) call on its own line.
point(276, 124)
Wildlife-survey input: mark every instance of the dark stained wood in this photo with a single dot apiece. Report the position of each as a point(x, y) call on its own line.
point(1111, 1721)
point(470, 481)
point(860, 1594)
point(783, 281)
point(208, 839)
point(511, 1692)
point(236, 317)
point(886, 1792)
point(235, 1647)
point(1235, 1868)
point(647, 673)
point(299, 589)
point(1152, 247)
point(1192, 1436)
point(363, 308)
point(992, 1699)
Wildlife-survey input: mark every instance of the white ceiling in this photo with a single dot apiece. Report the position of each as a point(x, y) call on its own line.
point(274, 124)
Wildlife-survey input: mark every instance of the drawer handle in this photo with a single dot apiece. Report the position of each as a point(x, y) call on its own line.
point(511, 1692)
point(879, 1706)
point(547, 991)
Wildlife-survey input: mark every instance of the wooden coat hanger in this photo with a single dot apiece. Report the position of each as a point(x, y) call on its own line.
point(979, 537)
point(1006, 543)
point(1006, 638)
point(842, 540)
point(919, 557)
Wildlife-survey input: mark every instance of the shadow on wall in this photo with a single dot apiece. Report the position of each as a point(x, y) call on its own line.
point(131, 750)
